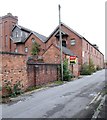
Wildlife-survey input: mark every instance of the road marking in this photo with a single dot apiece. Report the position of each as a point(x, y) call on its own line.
point(98, 109)
point(99, 97)
point(95, 98)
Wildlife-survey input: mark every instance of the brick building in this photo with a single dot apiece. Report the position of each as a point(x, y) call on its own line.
point(16, 69)
point(24, 38)
point(15, 50)
point(78, 45)
point(52, 55)
point(7, 23)
point(15, 38)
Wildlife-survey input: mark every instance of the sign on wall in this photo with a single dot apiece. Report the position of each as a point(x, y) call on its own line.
point(73, 59)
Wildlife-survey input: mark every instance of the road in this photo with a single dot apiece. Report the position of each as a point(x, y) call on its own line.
point(64, 101)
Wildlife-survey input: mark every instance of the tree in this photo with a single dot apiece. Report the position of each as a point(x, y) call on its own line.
point(35, 49)
point(66, 71)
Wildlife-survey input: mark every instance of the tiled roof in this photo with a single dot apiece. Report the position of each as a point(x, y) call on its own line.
point(66, 51)
point(57, 29)
point(23, 28)
point(72, 30)
point(41, 37)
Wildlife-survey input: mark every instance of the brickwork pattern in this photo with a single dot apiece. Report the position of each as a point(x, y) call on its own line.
point(39, 74)
point(52, 55)
point(82, 48)
point(13, 69)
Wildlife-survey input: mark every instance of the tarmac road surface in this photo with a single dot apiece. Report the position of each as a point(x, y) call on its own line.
point(64, 101)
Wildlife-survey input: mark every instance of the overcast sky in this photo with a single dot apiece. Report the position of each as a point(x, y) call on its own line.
point(87, 17)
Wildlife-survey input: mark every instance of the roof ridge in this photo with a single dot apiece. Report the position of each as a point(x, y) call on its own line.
point(57, 28)
point(72, 30)
point(43, 38)
point(39, 33)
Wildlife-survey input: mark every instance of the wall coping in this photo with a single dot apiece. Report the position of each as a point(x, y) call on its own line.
point(41, 63)
point(12, 53)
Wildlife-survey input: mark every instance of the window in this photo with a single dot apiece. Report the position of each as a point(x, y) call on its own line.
point(73, 42)
point(26, 49)
point(64, 43)
point(16, 50)
point(16, 34)
point(33, 40)
point(82, 53)
point(21, 33)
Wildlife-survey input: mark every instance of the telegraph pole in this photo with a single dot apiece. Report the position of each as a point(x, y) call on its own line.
point(60, 38)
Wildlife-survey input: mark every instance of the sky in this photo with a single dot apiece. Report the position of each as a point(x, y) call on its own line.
point(87, 17)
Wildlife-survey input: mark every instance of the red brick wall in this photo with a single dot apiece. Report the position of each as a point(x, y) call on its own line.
point(79, 47)
point(1, 34)
point(7, 21)
point(29, 44)
point(13, 69)
point(13, 46)
point(91, 53)
point(0, 70)
point(85, 52)
point(52, 40)
point(39, 74)
point(30, 70)
point(76, 49)
point(52, 55)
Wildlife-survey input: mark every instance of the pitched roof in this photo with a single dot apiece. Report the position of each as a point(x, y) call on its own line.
point(66, 51)
point(57, 29)
point(62, 32)
point(72, 30)
point(80, 36)
point(41, 37)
